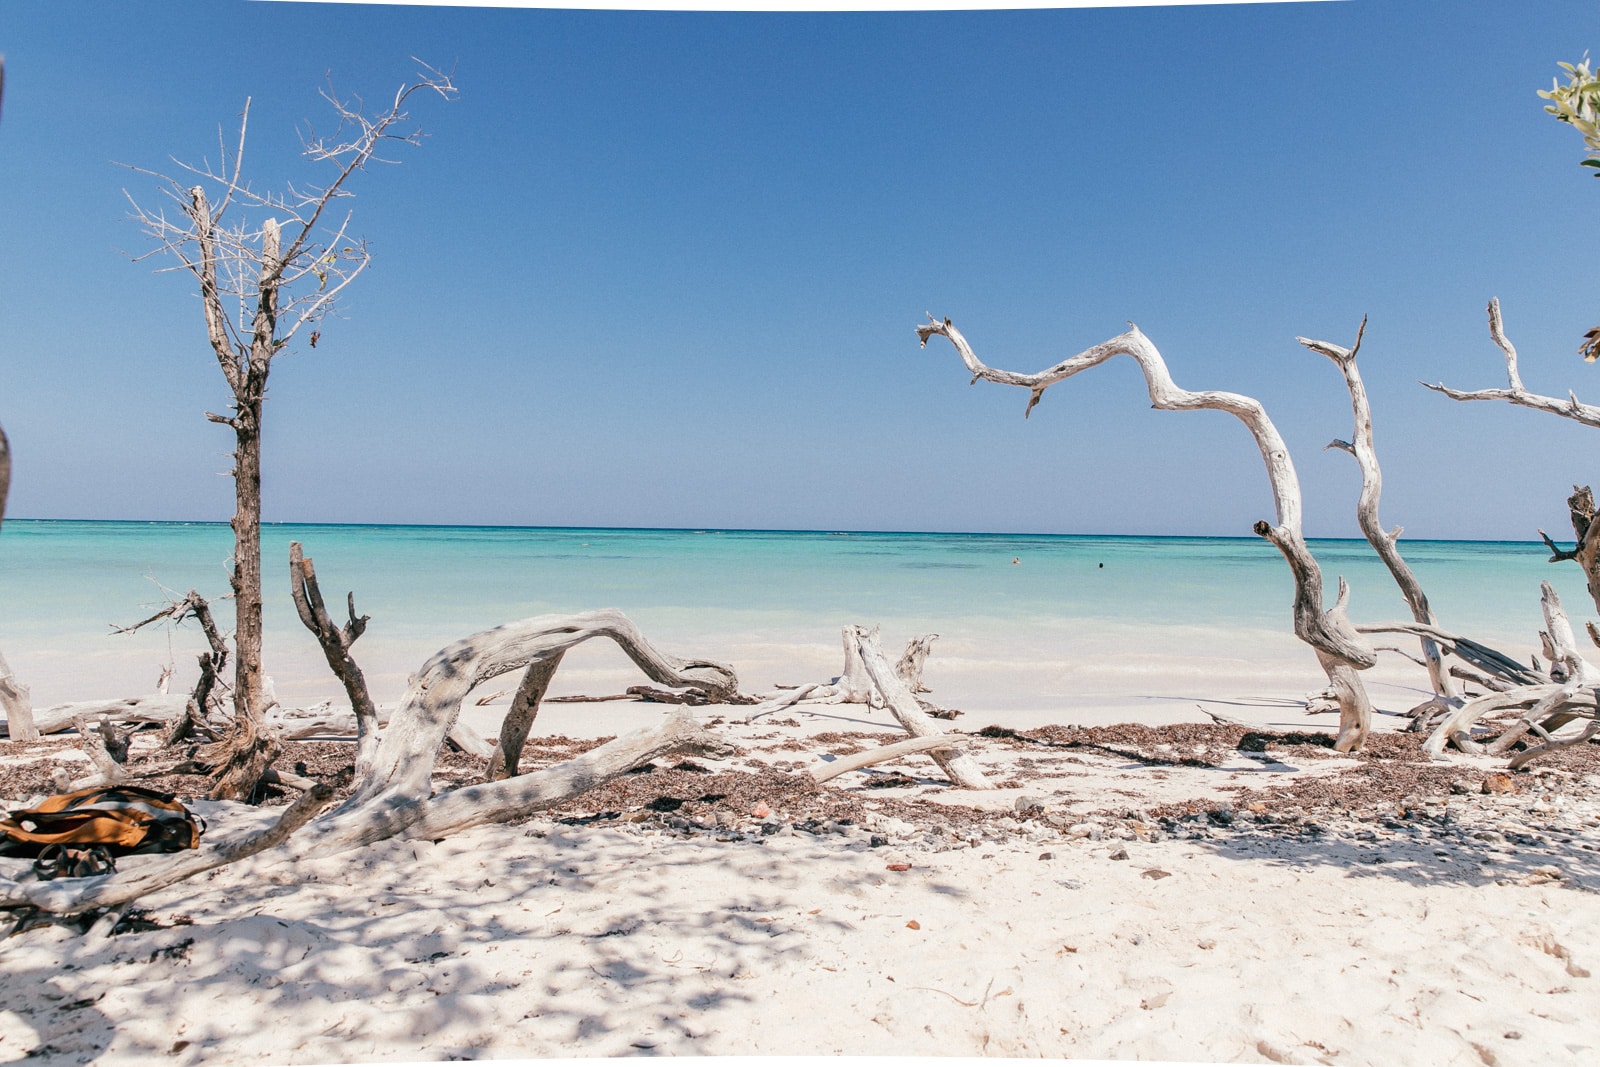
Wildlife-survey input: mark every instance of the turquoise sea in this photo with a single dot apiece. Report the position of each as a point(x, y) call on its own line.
point(741, 596)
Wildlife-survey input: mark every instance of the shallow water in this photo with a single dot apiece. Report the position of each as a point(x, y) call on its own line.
point(771, 600)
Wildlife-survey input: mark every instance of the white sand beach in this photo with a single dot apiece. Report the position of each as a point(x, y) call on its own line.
point(1084, 913)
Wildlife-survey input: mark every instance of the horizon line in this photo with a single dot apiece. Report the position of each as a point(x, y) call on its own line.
point(762, 530)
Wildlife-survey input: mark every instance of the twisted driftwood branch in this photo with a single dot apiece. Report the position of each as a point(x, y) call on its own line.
point(397, 796)
point(1568, 692)
point(403, 763)
point(844, 764)
point(336, 641)
point(1384, 542)
point(961, 768)
point(1340, 649)
point(1515, 393)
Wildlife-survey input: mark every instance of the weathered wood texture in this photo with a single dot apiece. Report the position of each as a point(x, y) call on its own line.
point(1515, 393)
point(1586, 553)
point(335, 642)
point(398, 796)
point(824, 772)
point(1327, 630)
point(853, 686)
point(1384, 542)
point(1553, 700)
point(17, 702)
point(961, 768)
point(432, 703)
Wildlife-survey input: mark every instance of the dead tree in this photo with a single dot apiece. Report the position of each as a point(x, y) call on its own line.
point(1342, 652)
point(1385, 542)
point(284, 274)
point(336, 642)
point(397, 797)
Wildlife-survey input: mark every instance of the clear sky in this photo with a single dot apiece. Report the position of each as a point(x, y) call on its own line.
point(663, 269)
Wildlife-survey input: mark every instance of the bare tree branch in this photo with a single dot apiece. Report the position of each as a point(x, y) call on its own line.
point(1514, 393)
point(1340, 649)
point(1384, 542)
point(336, 642)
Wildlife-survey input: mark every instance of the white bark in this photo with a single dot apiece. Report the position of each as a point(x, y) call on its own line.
point(1569, 692)
point(403, 763)
point(1384, 542)
point(398, 797)
point(1326, 630)
point(824, 772)
point(16, 702)
point(853, 686)
point(909, 668)
point(154, 707)
point(961, 768)
point(1514, 393)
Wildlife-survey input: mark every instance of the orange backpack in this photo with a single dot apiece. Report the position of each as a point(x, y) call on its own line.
point(124, 819)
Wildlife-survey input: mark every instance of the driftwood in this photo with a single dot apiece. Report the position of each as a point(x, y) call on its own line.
point(827, 771)
point(896, 695)
point(1341, 651)
point(153, 708)
point(1586, 553)
point(1515, 393)
point(1384, 542)
point(17, 703)
point(336, 641)
point(1581, 504)
point(431, 705)
point(397, 796)
point(193, 718)
point(1567, 691)
point(853, 686)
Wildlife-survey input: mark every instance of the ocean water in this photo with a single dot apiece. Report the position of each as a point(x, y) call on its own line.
point(1024, 614)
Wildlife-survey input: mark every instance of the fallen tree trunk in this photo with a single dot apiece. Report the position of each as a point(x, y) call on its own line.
point(1342, 652)
point(397, 795)
point(151, 708)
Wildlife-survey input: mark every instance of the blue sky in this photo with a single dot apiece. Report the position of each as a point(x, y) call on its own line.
point(663, 269)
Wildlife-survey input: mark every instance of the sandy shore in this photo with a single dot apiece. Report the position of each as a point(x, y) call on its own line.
point(1120, 898)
